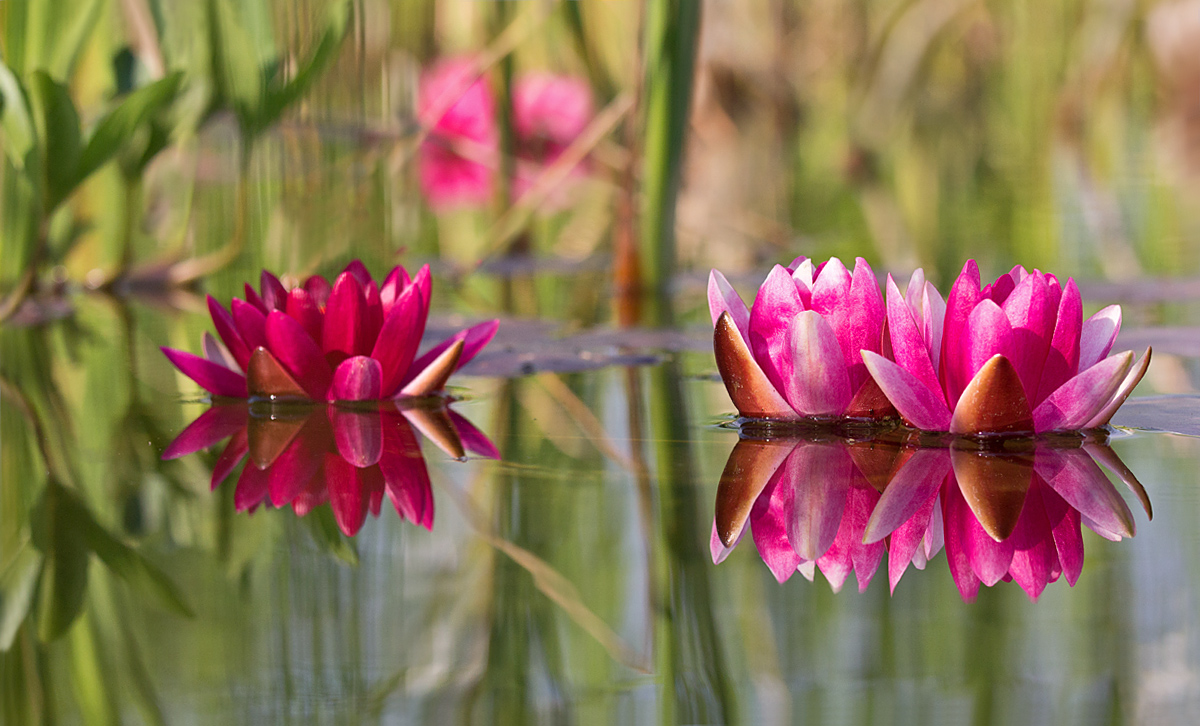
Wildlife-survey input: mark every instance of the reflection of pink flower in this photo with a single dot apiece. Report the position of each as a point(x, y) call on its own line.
point(350, 458)
point(458, 160)
point(549, 112)
point(351, 341)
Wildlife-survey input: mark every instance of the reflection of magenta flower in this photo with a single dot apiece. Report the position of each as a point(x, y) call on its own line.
point(458, 159)
point(1014, 356)
point(350, 458)
point(795, 352)
point(352, 341)
point(549, 112)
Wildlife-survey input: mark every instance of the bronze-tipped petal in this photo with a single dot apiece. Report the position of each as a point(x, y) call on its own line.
point(878, 461)
point(435, 375)
point(1130, 382)
point(266, 378)
point(993, 402)
point(751, 392)
point(994, 487)
point(870, 402)
point(269, 437)
point(436, 426)
point(751, 465)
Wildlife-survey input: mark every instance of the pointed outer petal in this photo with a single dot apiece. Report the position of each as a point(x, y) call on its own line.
point(270, 437)
point(253, 299)
point(994, 486)
point(803, 275)
point(1068, 533)
point(474, 440)
point(722, 298)
point(424, 283)
point(859, 324)
point(935, 536)
point(233, 454)
point(392, 286)
point(778, 301)
point(274, 294)
point(750, 467)
point(957, 519)
point(404, 472)
point(251, 324)
point(398, 339)
point(1132, 378)
point(314, 494)
point(303, 310)
point(935, 317)
point(1062, 357)
point(1099, 529)
point(435, 375)
point(1084, 397)
point(1098, 335)
point(916, 403)
point(345, 494)
point(368, 332)
point(251, 489)
point(1030, 309)
point(435, 425)
point(1035, 556)
point(752, 393)
point(769, 519)
point(955, 368)
point(905, 544)
point(474, 339)
point(993, 403)
point(848, 551)
point(988, 333)
point(299, 354)
point(344, 311)
point(228, 332)
point(820, 474)
point(356, 379)
point(300, 461)
point(215, 424)
point(212, 377)
point(796, 262)
point(1106, 456)
point(719, 551)
point(359, 270)
point(870, 402)
point(266, 378)
point(914, 293)
point(816, 381)
point(913, 486)
point(215, 351)
point(318, 288)
point(1080, 481)
point(909, 349)
point(358, 435)
point(371, 481)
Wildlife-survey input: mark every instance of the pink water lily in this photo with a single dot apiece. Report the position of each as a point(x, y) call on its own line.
point(796, 352)
point(350, 341)
point(549, 111)
point(1015, 356)
point(458, 160)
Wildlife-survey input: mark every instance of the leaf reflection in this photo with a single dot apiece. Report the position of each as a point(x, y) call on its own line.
point(306, 455)
point(1010, 510)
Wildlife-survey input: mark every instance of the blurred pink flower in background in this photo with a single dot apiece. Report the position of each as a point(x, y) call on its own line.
point(458, 160)
point(549, 112)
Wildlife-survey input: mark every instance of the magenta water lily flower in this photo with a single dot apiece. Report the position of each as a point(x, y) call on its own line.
point(349, 341)
point(458, 160)
point(796, 352)
point(549, 111)
point(1015, 356)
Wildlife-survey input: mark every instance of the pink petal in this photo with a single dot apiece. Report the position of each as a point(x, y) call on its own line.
point(910, 489)
point(424, 283)
point(274, 295)
point(298, 463)
point(216, 352)
point(398, 340)
point(251, 489)
point(356, 379)
point(820, 475)
point(1083, 397)
point(918, 405)
point(251, 324)
point(212, 377)
point(473, 439)
point(345, 494)
point(252, 298)
point(1078, 480)
point(957, 519)
point(769, 520)
point(318, 288)
point(777, 303)
point(989, 559)
point(803, 275)
point(359, 271)
point(909, 348)
point(988, 333)
point(955, 368)
point(1098, 335)
point(906, 539)
point(934, 309)
point(848, 551)
point(344, 312)
point(1062, 359)
point(816, 381)
point(1068, 534)
point(404, 472)
point(474, 339)
point(372, 318)
point(1127, 385)
point(227, 331)
point(295, 349)
point(1031, 311)
point(302, 309)
point(358, 436)
point(215, 424)
point(723, 298)
point(233, 454)
point(392, 286)
point(1034, 554)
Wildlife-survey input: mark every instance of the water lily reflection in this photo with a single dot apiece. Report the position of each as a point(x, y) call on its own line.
point(304, 456)
point(1012, 511)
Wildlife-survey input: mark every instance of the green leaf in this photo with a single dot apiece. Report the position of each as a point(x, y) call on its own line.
point(278, 99)
point(138, 572)
point(116, 129)
point(18, 583)
point(60, 129)
point(16, 120)
point(64, 576)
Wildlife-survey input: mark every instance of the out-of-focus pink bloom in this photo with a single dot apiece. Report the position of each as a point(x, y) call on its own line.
point(458, 160)
point(796, 352)
point(349, 458)
point(1015, 356)
point(350, 341)
point(549, 112)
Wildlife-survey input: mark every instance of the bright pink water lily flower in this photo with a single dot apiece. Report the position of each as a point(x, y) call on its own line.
point(349, 341)
point(549, 112)
point(458, 160)
point(795, 352)
point(1015, 356)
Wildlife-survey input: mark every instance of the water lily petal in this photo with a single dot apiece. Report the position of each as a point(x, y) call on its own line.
point(318, 289)
point(1034, 554)
point(934, 308)
point(474, 338)
point(392, 286)
point(1067, 531)
point(994, 487)
point(1098, 335)
point(228, 332)
point(269, 437)
point(217, 423)
point(1083, 398)
point(359, 270)
point(344, 312)
point(435, 375)
point(955, 368)
point(848, 551)
point(302, 309)
point(216, 352)
point(723, 298)
point(424, 283)
point(1132, 378)
point(904, 547)
point(957, 519)
point(231, 456)
point(404, 472)
point(816, 381)
point(299, 354)
point(769, 520)
point(266, 378)
point(251, 489)
point(357, 379)
point(252, 298)
point(909, 348)
point(777, 303)
point(749, 469)
point(299, 462)
point(911, 488)
point(372, 318)
point(474, 440)
point(994, 402)
point(398, 340)
point(1030, 310)
point(212, 377)
point(752, 394)
point(345, 494)
point(803, 274)
point(915, 402)
point(358, 435)
point(1062, 359)
point(1104, 455)
point(718, 550)
point(274, 295)
point(819, 474)
point(1080, 481)
point(435, 425)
